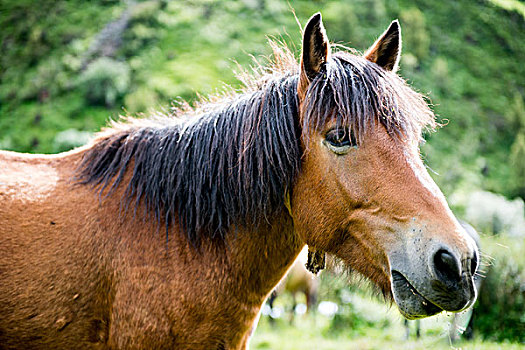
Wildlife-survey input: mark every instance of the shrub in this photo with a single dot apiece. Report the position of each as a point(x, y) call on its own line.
point(69, 139)
point(415, 34)
point(517, 160)
point(500, 310)
point(141, 100)
point(493, 213)
point(357, 312)
point(104, 81)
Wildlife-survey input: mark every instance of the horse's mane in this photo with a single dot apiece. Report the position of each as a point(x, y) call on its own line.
point(230, 161)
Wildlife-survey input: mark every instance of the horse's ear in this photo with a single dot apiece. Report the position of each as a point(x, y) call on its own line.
point(315, 52)
point(386, 51)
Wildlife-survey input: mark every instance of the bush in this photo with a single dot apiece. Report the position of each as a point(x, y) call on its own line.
point(415, 34)
point(348, 319)
point(517, 160)
point(104, 81)
point(68, 139)
point(357, 309)
point(500, 310)
point(493, 213)
point(141, 100)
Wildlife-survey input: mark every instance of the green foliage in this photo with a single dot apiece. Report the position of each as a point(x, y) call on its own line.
point(69, 139)
point(415, 35)
point(140, 100)
point(517, 161)
point(349, 319)
point(511, 5)
point(354, 305)
point(516, 117)
point(500, 310)
point(104, 80)
point(440, 73)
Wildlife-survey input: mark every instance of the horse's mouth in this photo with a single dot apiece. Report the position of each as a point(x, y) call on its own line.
point(411, 303)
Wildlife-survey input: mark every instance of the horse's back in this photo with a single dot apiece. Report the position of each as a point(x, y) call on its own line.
point(30, 187)
point(25, 179)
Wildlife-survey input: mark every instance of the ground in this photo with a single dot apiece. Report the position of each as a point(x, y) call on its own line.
point(379, 328)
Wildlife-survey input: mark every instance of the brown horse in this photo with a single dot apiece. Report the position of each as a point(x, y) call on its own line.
point(169, 232)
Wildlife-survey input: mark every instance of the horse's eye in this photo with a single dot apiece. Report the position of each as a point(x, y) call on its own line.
point(340, 140)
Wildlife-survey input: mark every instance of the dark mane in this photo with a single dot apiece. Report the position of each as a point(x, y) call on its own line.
point(231, 161)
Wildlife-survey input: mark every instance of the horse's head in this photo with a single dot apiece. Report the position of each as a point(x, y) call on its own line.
point(363, 193)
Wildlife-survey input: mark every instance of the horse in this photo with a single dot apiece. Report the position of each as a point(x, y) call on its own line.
point(169, 232)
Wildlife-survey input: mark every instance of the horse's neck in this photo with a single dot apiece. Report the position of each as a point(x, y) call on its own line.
point(224, 282)
point(260, 258)
point(255, 258)
point(231, 280)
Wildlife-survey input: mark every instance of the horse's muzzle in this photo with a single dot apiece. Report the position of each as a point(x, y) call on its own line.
point(450, 287)
point(410, 302)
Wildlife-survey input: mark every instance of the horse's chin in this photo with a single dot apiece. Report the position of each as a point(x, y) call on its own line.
point(410, 302)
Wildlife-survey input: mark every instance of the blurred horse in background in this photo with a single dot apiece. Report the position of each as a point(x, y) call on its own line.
point(298, 280)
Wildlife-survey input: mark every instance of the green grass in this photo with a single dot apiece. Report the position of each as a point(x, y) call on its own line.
point(310, 333)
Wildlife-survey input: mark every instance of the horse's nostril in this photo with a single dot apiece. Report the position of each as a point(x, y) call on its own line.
point(446, 266)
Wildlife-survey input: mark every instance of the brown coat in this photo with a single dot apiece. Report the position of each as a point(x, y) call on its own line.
point(74, 276)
